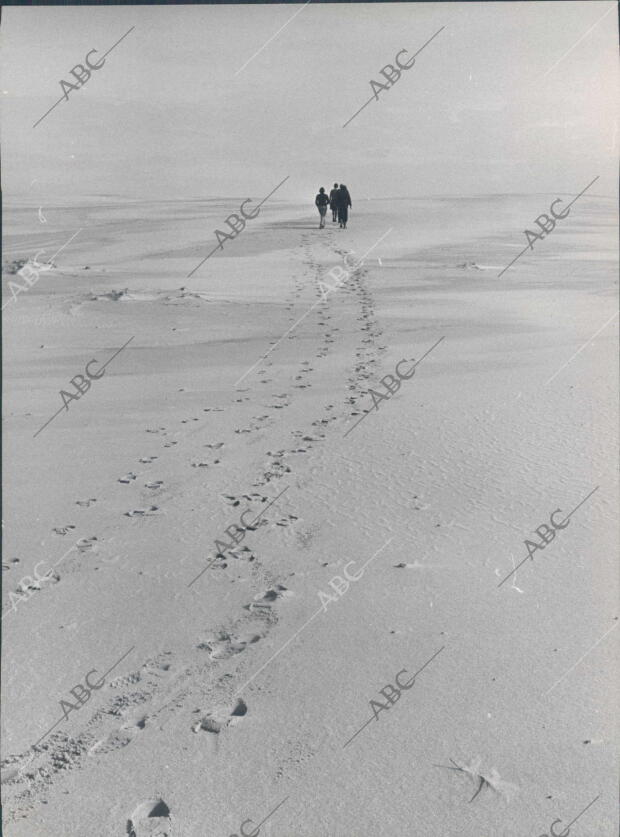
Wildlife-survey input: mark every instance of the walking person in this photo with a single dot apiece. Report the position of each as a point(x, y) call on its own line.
point(333, 202)
point(343, 200)
point(321, 202)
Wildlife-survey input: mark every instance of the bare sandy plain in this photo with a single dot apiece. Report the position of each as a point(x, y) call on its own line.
point(234, 687)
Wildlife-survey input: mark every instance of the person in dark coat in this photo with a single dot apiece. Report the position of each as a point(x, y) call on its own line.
point(333, 203)
point(321, 202)
point(343, 200)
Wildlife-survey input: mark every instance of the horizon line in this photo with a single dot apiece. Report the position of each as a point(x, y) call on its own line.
point(163, 199)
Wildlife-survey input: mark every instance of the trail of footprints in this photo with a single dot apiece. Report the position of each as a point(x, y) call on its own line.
point(275, 467)
point(138, 690)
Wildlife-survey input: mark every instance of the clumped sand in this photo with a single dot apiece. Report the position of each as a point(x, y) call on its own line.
point(238, 676)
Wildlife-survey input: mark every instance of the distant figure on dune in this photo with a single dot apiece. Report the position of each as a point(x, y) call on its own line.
point(343, 200)
point(321, 202)
point(333, 202)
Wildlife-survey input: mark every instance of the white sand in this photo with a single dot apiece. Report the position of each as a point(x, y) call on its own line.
point(455, 471)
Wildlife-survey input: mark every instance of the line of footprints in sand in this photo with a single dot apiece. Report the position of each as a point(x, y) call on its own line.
point(273, 469)
point(61, 752)
point(153, 816)
point(219, 646)
point(366, 356)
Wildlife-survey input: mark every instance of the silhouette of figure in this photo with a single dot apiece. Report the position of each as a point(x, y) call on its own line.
point(321, 202)
point(333, 202)
point(343, 200)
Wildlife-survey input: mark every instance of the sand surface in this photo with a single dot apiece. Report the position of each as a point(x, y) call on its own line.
point(239, 685)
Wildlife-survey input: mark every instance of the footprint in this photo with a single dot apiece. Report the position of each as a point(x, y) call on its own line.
point(285, 521)
point(243, 552)
point(127, 478)
point(222, 646)
point(240, 709)
point(36, 584)
point(115, 741)
point(63, 530)
point(86, 543)
point(151, 818)
point(262, 601)
point(217, 721)
point(135, 723)
point(275, 593)
point(155, 484)
point(125, 680)
point(208, 725)
point(415, 566)
point(146, 460)
point(141, 512)
point(86, 503)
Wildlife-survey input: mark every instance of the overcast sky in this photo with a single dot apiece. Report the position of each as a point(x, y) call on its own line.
point(483, 110)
